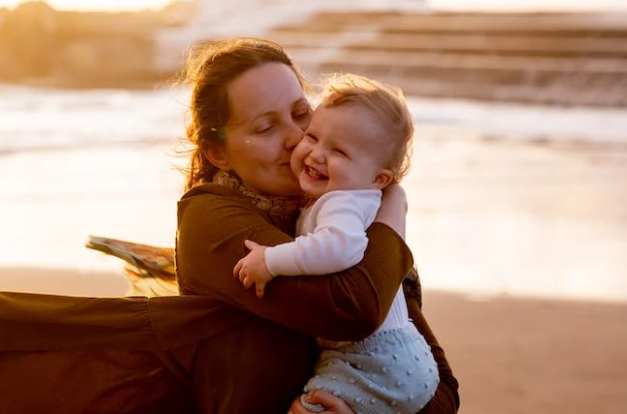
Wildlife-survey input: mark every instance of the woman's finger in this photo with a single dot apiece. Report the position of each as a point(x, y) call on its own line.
point(330, 402)
point(297, 408)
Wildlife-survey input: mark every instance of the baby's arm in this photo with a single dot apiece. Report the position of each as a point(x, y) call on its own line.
point(337, 242)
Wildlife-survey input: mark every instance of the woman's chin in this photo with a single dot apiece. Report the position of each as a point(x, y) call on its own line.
point(290, 189)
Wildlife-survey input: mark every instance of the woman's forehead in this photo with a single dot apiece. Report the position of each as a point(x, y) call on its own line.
point(272, 87)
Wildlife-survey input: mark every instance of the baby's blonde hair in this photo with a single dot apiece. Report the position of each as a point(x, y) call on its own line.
point(387, 103)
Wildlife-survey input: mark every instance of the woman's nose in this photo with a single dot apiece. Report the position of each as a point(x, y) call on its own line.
point(294, 135)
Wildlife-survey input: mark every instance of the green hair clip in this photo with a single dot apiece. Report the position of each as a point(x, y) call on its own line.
point(221, 132)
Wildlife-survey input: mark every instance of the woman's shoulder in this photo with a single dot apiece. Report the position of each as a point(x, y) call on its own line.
point(212, 195)
point(210, 189)
point(213, 203)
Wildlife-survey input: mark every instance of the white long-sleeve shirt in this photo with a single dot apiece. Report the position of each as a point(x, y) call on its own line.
point(332, 237)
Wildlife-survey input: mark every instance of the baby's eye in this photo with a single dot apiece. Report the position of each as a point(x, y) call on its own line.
point(311, 138)
point(340, 152)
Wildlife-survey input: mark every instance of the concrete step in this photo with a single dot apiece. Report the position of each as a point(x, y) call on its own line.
point(529, 24)
point(457, 43)
point(565, 91)
point(562, 59)
point(461, 62)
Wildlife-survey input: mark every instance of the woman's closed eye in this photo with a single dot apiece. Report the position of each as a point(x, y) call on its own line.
point(264, 129)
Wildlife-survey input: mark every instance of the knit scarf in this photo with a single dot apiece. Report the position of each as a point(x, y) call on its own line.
point(282, 210)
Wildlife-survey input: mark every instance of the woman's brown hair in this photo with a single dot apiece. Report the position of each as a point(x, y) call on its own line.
point(211, 67)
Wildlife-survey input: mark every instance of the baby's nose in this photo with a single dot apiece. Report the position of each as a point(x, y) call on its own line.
point(317, 155)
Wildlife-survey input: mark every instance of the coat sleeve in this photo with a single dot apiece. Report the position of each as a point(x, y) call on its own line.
point(347, 305)
point(446, 398)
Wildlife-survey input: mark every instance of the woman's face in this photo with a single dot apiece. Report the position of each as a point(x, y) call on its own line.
point(269, 112)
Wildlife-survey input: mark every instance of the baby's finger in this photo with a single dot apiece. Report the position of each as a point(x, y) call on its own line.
point(242, 275)
point(245, 279)
point(248, 283)
point(250, 244)
point(259, 289)
point(238, 267)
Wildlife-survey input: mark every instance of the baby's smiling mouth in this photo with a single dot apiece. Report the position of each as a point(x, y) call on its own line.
point(313, 173)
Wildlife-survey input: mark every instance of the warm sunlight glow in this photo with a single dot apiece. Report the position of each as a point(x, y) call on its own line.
point(105, 5)
point(529, 5)
point(477, 5)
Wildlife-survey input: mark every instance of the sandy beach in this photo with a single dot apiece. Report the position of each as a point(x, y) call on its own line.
point(519, 356)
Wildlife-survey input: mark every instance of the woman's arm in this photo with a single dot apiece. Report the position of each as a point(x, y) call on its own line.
point(348, 305)
point(393, 210)
point(446, 398)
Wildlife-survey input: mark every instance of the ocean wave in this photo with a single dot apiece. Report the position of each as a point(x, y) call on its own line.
point(33, 119)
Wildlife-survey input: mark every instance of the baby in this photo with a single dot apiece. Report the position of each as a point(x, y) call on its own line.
point(356, 144)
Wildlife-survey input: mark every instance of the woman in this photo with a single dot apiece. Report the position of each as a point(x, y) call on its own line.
point(216, 343)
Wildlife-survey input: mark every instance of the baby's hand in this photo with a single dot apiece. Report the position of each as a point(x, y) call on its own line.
point(252, 269)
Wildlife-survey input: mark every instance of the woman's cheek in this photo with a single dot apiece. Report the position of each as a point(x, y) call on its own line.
point(262, 148)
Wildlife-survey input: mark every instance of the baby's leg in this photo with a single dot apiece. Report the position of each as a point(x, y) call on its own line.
point(389, 372)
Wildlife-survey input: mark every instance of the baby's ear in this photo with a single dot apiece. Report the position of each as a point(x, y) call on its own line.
point(383, 178)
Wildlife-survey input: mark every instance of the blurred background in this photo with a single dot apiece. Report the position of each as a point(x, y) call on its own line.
point(518, 187)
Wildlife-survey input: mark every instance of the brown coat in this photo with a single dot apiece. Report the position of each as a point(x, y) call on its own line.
point(217, 344)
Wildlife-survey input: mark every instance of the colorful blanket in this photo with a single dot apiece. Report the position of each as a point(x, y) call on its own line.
point(149, 269)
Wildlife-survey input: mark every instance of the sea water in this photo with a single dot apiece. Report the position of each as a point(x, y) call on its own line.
point(504, 199)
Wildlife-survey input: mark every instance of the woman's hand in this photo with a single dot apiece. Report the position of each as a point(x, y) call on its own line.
point(330, 402)
point(393, 208)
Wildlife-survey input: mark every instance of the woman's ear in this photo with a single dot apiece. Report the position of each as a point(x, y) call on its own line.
point(382, 179)
point(218, 157)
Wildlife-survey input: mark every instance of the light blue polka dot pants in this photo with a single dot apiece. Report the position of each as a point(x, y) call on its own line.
point(388, 372)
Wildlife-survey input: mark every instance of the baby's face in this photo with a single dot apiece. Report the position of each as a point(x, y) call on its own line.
point(342, 150)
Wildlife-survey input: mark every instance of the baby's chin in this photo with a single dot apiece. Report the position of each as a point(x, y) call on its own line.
point(310, 192)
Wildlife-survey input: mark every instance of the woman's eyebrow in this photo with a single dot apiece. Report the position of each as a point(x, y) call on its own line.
point(273, 112)
point(269, 113)
point(252, 119)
